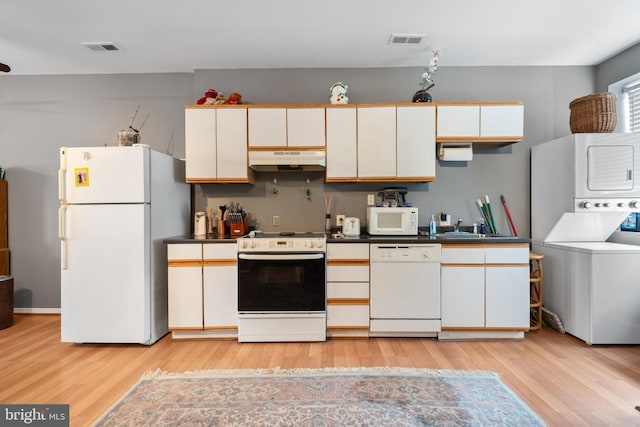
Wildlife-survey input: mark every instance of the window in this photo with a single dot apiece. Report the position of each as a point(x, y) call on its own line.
point(631, 97)
point(628, 93)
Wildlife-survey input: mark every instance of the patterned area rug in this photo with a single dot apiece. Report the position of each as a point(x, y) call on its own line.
point(321, 397)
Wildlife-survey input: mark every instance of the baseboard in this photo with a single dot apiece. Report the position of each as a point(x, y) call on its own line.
point(31, 310)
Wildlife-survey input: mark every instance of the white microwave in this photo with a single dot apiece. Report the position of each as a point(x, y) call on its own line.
point(392, 221)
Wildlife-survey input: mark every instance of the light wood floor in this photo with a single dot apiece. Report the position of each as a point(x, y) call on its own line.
point(561, 378)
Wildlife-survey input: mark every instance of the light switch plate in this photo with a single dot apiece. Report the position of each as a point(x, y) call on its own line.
point(370, 200)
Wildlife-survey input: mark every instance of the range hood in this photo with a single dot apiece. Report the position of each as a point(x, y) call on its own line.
point(285, 160)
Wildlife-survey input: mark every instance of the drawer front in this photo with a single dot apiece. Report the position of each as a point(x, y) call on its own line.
point(463, 255)
point(187, 251)
point(348, 290)
point(348, 251)
point(342, 315)
point(220, 251)
point(347, 273)
point(507, 255)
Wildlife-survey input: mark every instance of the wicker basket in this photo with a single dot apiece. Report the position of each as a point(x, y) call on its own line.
point(593, 113)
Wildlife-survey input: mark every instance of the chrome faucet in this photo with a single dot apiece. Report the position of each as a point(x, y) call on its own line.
point(456, 227)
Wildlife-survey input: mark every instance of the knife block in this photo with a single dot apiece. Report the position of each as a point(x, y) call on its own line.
point(239, 229)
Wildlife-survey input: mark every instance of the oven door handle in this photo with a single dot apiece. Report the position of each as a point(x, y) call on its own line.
point(281, 257)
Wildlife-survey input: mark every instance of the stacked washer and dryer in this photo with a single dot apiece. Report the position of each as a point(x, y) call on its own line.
point(583, 186)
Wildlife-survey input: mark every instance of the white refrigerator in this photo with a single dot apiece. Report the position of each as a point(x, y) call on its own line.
point(117, 204)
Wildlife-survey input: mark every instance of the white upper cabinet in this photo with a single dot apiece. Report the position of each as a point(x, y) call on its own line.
point(231, 137)
point(200, 144)
point(342, 144)
point(279, 127)
point(376, 142)
point(497, 123)
point(458, 121)
point(267, 127)
point(501, 121)
point(381, 143)
point(216, 144)
point(415, 142)
point(305, 127)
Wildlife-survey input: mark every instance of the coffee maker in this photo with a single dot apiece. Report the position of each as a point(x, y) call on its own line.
point(393, 197)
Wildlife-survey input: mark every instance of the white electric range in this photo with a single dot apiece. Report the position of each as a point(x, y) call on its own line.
point(282, 287)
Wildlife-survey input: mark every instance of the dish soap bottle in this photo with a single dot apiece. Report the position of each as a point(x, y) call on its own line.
point(432, 225)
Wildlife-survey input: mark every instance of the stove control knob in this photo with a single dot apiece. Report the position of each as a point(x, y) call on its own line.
point(586, 205)
point(253, 243)
point(598, 205)
point(606, 205)
point(621, 205)
point(634, 204)
point(245, 244)
point(320, 243)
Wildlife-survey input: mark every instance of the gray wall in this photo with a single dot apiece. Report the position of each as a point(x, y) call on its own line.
point(39, 114)
point(617, 68)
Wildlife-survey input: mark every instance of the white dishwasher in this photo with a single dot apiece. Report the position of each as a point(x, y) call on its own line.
point(405, 290)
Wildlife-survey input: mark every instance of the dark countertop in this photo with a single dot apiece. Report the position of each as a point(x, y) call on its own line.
point(365, 238)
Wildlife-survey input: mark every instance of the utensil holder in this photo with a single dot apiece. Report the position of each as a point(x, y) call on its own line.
point(221, 227)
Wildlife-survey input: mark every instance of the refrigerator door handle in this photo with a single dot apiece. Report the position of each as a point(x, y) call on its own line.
point(61, 236)
point(61, 185)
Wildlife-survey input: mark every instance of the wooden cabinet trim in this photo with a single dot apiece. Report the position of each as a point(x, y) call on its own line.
point(184, 263)
point(348, 262)
point(286, 148)
point(220, 263)
point(348, 301)
point(347, 328)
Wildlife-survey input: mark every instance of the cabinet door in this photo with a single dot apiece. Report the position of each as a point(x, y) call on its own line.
point(458, 121)
point(267, 127)
point(501, 121)
point(305, 127)
point(185, 296)
point(507, 297)
point(342, 144)
point(200, 143)
point(416, 142)
point(463, 297)
point(220, 283)
point(376, 142)
point(232, 143)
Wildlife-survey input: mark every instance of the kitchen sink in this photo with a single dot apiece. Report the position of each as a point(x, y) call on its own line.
point(459, 235)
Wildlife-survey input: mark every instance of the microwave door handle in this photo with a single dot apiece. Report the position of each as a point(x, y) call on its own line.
point(280, 257)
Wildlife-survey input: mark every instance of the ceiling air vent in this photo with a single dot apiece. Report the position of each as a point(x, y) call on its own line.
point(406, 38)
point(100, 46)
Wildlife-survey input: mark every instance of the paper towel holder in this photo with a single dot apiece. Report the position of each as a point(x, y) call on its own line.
point(455, 151)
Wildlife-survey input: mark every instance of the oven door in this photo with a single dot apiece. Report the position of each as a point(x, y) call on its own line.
point(281, 282)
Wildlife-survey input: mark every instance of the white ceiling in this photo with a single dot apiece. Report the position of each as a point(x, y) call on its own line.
point(44, 37)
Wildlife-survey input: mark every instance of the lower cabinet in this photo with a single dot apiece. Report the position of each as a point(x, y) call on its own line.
point(486, 289)
point(348, 290)
point(202, 280)
point(220, 287)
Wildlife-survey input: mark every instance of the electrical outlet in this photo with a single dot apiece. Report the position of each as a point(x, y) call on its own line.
point(340, 220)
point(371, 200)
point(275, 221)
